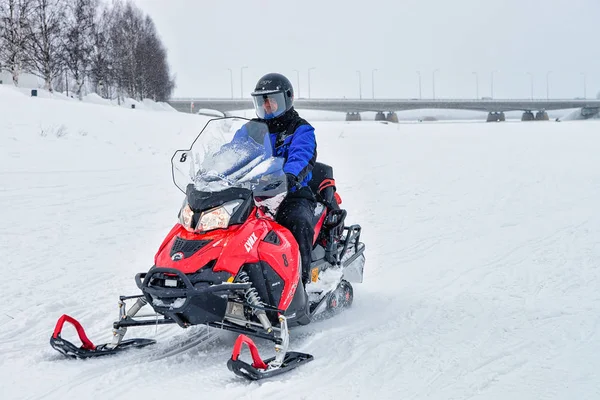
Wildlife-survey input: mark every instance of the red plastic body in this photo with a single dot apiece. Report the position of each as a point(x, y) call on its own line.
point(238, 245)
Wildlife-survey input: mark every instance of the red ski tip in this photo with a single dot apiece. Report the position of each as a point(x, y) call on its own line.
point(86, 343)
point(237, 348)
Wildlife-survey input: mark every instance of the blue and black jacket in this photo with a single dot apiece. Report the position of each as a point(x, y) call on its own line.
point(293, 138)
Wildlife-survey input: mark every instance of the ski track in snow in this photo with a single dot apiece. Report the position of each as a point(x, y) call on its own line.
point(481, 280)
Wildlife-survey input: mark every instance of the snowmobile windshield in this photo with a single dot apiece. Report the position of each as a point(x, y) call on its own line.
point(229, 153)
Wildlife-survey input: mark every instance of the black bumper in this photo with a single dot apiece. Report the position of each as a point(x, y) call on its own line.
point(183, 301)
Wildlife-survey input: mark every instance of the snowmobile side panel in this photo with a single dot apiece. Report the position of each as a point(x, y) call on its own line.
point(283, 259)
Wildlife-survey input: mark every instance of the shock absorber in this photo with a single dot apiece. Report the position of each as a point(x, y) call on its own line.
point(123, 314)
point(253, 298)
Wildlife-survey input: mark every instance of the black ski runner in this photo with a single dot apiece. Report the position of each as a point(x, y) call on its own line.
point(88, 349)
point(261, 369)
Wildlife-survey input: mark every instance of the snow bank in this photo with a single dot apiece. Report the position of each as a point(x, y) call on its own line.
point(6, 78)
point(29, 82)
point(96, 99)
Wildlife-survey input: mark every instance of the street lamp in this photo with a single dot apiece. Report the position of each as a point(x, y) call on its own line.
point(584, 85)
point(242, 81)
point(433, 79)
point(359, 84)
point(297, 82)
point(231, 80)
point(310, 69)
point(492, 84)
point(420, 92)
point(548, 85)
point(373, 82)
point(476, 85)
point(531, 80)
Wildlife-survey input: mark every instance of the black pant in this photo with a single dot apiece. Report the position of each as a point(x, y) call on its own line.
point(296, 214)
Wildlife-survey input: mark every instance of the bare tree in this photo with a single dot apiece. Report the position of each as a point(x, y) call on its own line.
point(155, 81)
point(126, 36)
point(46, 40)
point(101, 60)
point(14, 35)
point(78, 39)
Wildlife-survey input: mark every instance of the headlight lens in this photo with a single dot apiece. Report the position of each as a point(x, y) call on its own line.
point(208, 220)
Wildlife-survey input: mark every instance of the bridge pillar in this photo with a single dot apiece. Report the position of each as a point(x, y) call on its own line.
point(590, 112)
point(392, 117)
point(542, 116)
point(528, 116)
point(496, 117)
point(379, 116)
point(352, 116)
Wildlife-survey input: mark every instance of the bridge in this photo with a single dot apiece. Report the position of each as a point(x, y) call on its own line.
point(353, 107)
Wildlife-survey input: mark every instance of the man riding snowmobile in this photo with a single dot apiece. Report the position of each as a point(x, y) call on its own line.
point(293, 139)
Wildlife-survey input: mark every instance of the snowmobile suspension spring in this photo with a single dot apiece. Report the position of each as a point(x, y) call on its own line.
point(252, 297)
point(251, 293)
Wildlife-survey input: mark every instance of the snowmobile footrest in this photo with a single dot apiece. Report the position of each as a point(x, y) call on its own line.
point(261, 369)
point(88, 349)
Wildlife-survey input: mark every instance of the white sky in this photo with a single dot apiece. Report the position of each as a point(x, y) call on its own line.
point(397, 37)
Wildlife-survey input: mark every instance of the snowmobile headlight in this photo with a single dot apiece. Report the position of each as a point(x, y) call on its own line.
point(186, 217)
point(208, 220)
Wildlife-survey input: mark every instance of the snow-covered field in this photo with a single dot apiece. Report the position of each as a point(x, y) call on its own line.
point(482, 277)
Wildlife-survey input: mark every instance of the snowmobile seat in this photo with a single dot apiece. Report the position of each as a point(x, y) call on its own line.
point(323, 185)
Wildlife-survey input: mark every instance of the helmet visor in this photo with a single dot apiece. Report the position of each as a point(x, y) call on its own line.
point(269, 104)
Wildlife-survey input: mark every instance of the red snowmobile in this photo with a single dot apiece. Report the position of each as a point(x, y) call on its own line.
point(228, 264)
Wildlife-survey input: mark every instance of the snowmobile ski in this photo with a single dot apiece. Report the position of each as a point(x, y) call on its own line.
point(88, 349)
point(262, 369)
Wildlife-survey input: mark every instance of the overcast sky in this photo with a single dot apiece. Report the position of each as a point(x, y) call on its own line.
point(396, 37)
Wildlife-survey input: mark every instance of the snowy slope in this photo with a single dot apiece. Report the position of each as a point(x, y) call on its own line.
point(481, 279)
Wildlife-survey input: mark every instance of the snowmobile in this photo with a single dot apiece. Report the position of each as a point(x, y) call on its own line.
point(228, 264)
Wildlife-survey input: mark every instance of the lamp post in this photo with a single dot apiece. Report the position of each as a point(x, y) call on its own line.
point(373, 82)
point(231, 80)
point(531, 83)
point(242, 82)
point(297, 82)
point(433, 80)
point(548, 85)
point(492, 84)
point(420, 92)
point(584, 85)
point(359, 84)
point(476, 85)
point(310, 69)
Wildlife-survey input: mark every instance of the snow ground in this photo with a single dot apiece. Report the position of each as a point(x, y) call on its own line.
point(481, 279)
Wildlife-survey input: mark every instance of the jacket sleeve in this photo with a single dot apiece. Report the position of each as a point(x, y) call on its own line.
point(240, 135)
point(302, 152)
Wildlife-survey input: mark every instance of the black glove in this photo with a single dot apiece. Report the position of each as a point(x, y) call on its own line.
point(292, 181)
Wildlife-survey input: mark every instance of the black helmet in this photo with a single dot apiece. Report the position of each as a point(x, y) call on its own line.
point(272, 96)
